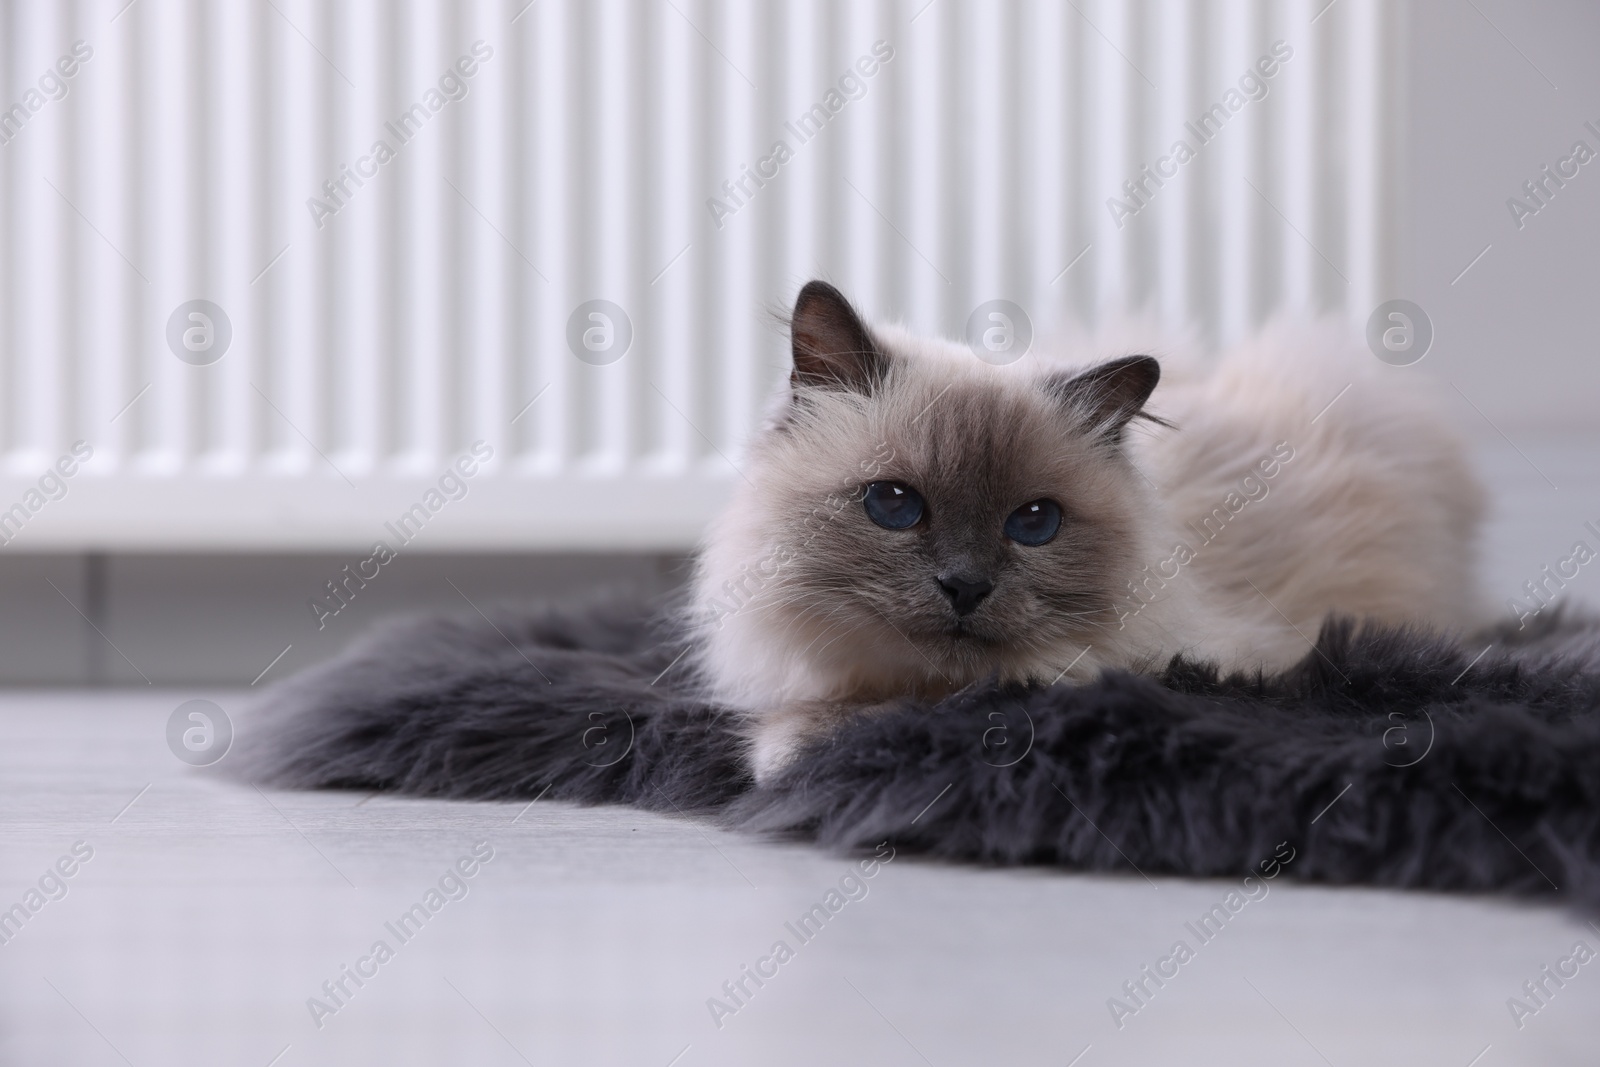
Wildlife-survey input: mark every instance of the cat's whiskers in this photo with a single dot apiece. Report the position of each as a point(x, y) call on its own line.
point(812, 597)
point(851, 626)
point(851, 629)
point(796, 597)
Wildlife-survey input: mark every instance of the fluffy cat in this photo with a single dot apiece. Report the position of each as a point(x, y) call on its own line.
point(913, 519)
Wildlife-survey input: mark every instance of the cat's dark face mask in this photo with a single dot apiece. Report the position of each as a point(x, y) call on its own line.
point(982, 520)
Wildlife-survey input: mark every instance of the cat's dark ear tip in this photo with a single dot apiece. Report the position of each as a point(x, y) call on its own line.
point(1147, 370)
point(832, 346)
point(1143, 365)
point(817, 289)
point(819, 298)
point(1142, 372)
point(1113, 392)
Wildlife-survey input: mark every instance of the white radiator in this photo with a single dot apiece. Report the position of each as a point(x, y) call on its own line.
point(609, 151)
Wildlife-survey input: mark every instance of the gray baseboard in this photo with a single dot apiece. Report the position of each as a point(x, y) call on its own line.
point(170, 619)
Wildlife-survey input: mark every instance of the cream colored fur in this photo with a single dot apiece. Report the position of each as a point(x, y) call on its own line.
point(1376, 517)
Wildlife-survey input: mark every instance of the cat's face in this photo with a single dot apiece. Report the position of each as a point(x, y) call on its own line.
point(942, 519)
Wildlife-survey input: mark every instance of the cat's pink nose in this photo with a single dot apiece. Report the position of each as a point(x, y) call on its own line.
point(965, 593)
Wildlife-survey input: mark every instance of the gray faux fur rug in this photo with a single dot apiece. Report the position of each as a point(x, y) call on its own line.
point(1386, 757)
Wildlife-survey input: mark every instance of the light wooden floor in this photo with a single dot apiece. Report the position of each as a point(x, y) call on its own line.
point(210, 913)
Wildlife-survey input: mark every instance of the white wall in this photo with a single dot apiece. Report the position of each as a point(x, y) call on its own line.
point(1518, 334)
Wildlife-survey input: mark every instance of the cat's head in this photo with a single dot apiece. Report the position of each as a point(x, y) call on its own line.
point(915, 518)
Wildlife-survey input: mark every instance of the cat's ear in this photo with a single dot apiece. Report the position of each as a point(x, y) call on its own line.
point(832, 346)
point(1107, 396)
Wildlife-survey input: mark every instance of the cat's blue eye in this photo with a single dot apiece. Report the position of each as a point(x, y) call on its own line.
point(892, 505)
point(1035, 523)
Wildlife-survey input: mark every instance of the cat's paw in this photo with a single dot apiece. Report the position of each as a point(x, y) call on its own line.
point(777, 737)
point(774, 743)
